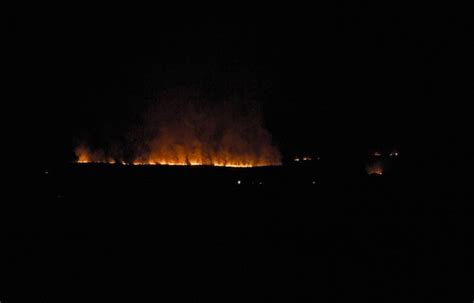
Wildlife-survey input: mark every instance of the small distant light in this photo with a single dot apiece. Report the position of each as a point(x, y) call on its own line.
point(297, 159)
point(46, 172)
point(394, 154)
point(377, 154)
point(260, 183)
point(239, 182)
point(314, 182)
point(318, 158)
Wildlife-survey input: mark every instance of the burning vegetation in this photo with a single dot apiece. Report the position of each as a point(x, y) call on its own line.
point(191, 132)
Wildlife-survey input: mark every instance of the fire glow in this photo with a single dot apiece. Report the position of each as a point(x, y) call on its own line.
point(85, 156)
point(376, 168)
point(191, 134)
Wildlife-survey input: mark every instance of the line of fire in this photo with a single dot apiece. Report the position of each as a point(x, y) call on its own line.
point(377, 162)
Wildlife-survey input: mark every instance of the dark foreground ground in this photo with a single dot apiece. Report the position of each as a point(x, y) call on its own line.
point(95, 233)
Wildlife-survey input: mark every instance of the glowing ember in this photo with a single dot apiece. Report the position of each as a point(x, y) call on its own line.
point(377, 154)
point(170, 163)
point(394, 153)
point(304, 158)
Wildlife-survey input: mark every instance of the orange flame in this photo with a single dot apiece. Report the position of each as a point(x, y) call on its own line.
point(184, 155)
point(85, 155)
point(183, 130)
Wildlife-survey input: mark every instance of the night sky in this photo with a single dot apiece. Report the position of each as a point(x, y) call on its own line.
point(333, 80)
point(336, 80)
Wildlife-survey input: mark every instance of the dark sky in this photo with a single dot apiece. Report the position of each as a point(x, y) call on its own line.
point(335, 80)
